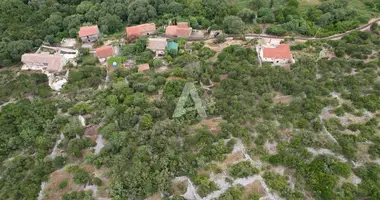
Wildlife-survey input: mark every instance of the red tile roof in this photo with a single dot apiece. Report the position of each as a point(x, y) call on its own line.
point(140, 29)
point(104, 52)
point(142, 67)
point(184, 32)
point(171, 30)
point(282, 51)
point(183, 25)
point(182, 29)
point(88, 30)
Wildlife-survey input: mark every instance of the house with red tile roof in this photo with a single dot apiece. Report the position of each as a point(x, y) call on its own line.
point(141, 30)
point(143, 67)
point(279, 54)
point(89, 33)
point(51, 63)
point(103, 53)
point(182, 29)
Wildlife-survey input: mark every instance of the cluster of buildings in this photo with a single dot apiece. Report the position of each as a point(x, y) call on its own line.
point(54, 62)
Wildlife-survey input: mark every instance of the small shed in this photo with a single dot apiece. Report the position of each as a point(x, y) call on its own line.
point(173, 46)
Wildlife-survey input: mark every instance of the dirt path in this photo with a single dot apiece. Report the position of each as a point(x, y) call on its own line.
point(332, 37)
point(338, 36)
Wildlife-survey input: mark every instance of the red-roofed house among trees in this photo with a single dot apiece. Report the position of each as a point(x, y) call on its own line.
point(279, 54)
point(89, 33)
point(182, 29)
point(141, 30)
point(103, 53)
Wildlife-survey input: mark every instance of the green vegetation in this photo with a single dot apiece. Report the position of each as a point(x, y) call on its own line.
point(26, 139)
point(81, 177)
point(242, 170)
point(317, 118)
point(85, 77)
point(81, 195)
point(50, 22)
point(280, 184)
point(12, 86)
point(205, 186)
point(63, 184)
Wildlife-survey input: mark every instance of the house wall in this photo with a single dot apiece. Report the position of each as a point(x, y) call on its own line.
point(281, 61)
point(159, 52)
point(42, 66)
point(34, 66)
point(102, 60)
point(64, 61)
point(91, 38)
point(147, 33)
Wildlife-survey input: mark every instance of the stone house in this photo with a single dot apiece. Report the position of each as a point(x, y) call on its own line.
point(157, 45)
point(278, 54)
point(103, 53)
point(52, 63)
point(89, 34)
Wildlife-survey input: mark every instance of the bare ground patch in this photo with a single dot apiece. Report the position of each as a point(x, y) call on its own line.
point(212, 124)
point(254, 188)
point(179, 188)
point(283, 99)
point(91, 132)
point(174, 78)
point(233, 158)
point(271, 147)
point(52, 190)
point(155, 196)
point(219, 47)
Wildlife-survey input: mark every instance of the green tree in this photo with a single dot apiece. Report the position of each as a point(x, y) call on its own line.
point(293, 3)
point(17, 48)
point(146, 122)
point(110, 23)
point(140, 12)
point(246, 14)
point(265, 15)
point(233, 24)
point(175, 8)
point(257, 4)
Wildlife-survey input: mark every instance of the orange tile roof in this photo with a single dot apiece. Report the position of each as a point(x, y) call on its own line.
point(171, 30)
point(143, 67)
point(140, 29)
point(104, 52)
point(282, 51)
point(183, 25)
point(184, 32)
point(88, 30)
point(182, 29)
